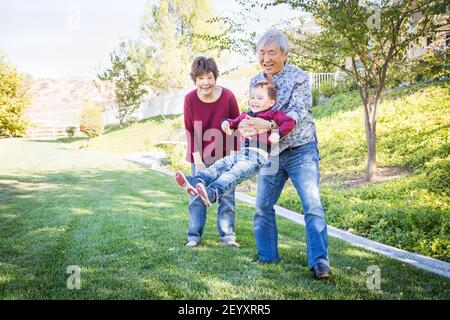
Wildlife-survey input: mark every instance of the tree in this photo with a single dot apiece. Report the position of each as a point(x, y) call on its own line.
point(365, 39)
point(126, 79)
point(13, 101)
point(173, 32)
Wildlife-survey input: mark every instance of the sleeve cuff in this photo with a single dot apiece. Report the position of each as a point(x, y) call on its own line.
point(293, 115)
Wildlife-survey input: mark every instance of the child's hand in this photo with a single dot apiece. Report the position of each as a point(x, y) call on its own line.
point(274, 138)
point(226, 128)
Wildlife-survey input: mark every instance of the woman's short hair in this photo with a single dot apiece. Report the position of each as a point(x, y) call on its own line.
point(202, 65)
point(269, 86)
point(275, 36)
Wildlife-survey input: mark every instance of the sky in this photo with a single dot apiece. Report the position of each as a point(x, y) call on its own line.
point(61, 38)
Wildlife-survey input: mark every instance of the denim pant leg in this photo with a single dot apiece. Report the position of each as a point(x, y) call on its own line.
point(225, 216)
point(197, 215)
point(303, 168)
point(215, 170)
point(243, 167)
point(270, 185)
point(224, 188)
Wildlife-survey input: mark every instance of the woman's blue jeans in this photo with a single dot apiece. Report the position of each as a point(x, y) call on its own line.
point(225, 216)
point(301, 165)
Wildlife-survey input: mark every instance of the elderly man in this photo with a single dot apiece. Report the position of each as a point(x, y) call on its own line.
point(298, 158)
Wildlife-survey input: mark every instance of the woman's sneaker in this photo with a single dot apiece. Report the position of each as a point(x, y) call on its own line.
point(203, 194)
point(184, 183)
point(233, 243)
point(191, 243)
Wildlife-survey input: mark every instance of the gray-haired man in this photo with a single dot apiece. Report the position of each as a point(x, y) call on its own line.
point(298, 158)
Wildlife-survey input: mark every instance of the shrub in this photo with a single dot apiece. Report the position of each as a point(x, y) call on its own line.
point(315, 96)
point(91, 122)
point(432, 65)
point(132, 120)
point(327, 89)
point(342, 84)
point(71, 131)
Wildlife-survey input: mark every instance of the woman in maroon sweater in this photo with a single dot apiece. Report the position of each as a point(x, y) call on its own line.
point(204, 109)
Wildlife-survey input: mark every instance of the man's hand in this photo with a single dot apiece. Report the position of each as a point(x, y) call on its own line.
point(257, 123)
point(226, 128)
point(253, 125)
point(274, 138)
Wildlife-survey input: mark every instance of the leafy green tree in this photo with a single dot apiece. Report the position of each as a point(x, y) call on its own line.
point(365, 39)
point(174, 33)
point(126, 78)
point(13, 100)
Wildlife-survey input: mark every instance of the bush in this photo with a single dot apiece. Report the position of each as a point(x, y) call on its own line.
point(432, 65)
point(91, 122)
point(327, 89)
point(132, 120)
point(342, 84)
point(71, 131)
point(315, 96)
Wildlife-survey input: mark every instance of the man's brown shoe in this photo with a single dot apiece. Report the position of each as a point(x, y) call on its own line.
point(321, 271)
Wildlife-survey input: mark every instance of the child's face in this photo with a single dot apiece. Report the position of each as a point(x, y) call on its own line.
point(260, 100)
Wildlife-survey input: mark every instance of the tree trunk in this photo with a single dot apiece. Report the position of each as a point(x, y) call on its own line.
point(371, 139)
point(371, 159)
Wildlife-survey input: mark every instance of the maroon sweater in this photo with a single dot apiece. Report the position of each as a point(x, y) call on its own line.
point(199, 117)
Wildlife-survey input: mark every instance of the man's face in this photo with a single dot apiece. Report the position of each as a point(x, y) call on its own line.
point(271, 59)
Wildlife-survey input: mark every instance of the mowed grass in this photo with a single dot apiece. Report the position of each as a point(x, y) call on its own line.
point(410, 211)
point(125, 227)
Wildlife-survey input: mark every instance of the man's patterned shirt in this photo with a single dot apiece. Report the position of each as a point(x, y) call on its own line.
point(295, 99)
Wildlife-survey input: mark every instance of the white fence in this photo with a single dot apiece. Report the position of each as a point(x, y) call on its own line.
point(316, 79)
point(47, 131)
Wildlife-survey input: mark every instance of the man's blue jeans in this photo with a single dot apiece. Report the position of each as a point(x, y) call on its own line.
point(225, 216)
point(301, 165)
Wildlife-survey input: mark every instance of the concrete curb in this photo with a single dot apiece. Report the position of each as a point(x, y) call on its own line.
point(417, 260)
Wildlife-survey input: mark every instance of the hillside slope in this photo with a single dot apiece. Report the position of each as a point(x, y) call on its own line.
point(59, 100)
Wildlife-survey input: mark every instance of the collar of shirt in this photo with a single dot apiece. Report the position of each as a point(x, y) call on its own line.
point(280, 73)
point(276, 76)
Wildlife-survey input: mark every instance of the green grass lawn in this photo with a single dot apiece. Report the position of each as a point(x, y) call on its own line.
point(125, 226)
point(411, 212)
